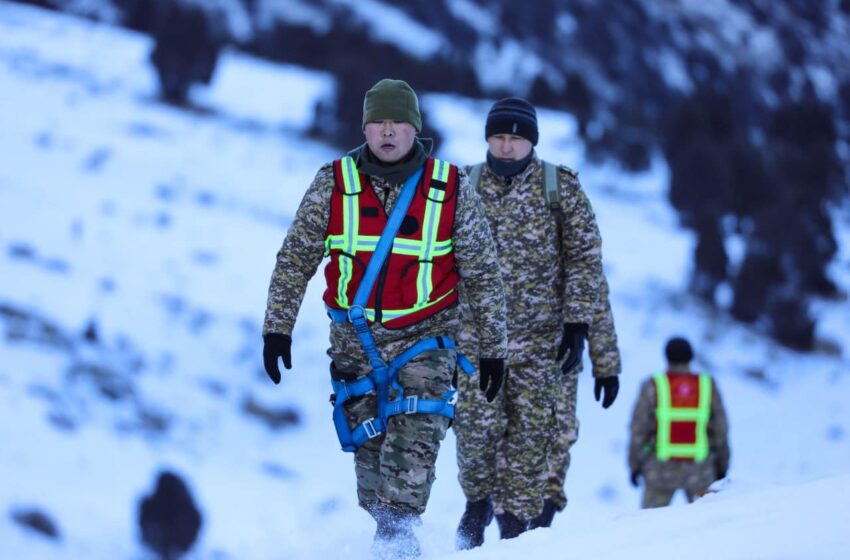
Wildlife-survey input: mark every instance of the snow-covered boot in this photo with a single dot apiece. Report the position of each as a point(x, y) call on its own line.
point(510, 526)
point(394, 537)
point(476, 517)
point(546, 516)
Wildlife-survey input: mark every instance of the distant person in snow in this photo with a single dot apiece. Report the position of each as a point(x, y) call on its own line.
point(678, 431)
point(605, 360)
point(168, 519)
point(402, 231)
point(187, 42)
point(551, 263)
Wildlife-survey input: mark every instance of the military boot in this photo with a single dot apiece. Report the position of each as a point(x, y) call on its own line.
point(510, 526)
point(394, 537)
point(546, 516)
point(476, 518)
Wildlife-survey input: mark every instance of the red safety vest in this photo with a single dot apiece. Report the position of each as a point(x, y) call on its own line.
point(418, 278)
point(683, 412)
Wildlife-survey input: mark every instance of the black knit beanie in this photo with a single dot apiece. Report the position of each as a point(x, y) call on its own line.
point(512, 115)
point(678, 351)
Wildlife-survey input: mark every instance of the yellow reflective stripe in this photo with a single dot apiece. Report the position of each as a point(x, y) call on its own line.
point(350, 227)
point(350, 176)
point(665, 414)
point(662, 437)
point(410, 247)
point(424, 280)
point(389, 314)
point(704, 411)
point(396, 313)
point(441, 171)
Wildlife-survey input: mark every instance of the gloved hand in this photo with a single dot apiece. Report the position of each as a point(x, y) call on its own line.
point(610, 385)
point(492, 374)
point(276, 345)
point(572, 345)
point(634, 478)
point(721, 469)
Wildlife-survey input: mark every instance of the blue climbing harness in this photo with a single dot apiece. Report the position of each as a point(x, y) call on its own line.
point(384, 375)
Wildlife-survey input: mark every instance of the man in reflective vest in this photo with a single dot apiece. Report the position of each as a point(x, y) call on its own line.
point(443, 241)
point(678, 431)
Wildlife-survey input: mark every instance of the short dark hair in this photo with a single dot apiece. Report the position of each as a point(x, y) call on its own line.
point(678, 350)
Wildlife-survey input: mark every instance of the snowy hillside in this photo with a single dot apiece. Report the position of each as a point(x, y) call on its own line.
point(136, 245)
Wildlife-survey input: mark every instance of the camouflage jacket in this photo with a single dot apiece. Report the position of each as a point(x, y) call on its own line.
point(475, 257)
point(644, 427)
point(602, 338)
point(542, 290)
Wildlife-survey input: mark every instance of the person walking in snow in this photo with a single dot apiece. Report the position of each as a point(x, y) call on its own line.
point(550, 257)
point(678, 431)
point(402, 231)
point(605, 359)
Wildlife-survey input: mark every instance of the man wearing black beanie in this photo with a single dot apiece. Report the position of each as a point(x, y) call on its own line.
point(550, 257)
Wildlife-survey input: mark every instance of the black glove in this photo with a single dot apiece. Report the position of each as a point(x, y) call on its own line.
point(276, 345)
point(722, 470)
point(572, 345)
point(492, 373)
point(610, 385)
point(634, 478)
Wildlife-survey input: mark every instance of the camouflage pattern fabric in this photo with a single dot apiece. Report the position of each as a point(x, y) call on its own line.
point(663, 478)
point(399, 467)
point(502, 446)
point(605, 358)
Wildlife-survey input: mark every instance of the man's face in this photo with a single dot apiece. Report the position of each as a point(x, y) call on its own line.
point(509, 147)
point(389, 140)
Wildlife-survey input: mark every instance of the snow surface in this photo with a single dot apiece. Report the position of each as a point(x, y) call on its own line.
point(163, 225)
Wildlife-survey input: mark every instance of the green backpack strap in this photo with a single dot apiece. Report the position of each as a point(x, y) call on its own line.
point(553, 197)
point(475, 175)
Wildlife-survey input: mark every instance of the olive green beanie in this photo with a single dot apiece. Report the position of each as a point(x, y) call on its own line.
point(393, 100)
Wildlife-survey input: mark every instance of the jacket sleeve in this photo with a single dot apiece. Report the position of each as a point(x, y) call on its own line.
point(582, 247)
point(643, 427)
point(298, 258)
point(718, 430)
point(478, 266)
point(602, 337)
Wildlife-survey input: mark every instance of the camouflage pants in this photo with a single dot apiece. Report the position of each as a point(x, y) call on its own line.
point(397, 468)
point(566, 434)
point(663, 478)
point(502, 447)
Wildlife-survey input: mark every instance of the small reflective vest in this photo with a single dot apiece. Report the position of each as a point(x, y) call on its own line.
point(418, 278)
point(683, 412)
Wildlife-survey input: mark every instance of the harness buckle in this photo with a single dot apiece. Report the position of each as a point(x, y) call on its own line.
point(369, 426)
point(453, 399)
point(356, 312)
point(411, 404)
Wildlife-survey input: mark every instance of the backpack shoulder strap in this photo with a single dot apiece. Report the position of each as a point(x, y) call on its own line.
point(550, 184)
point(475, 175)
point(553, 198)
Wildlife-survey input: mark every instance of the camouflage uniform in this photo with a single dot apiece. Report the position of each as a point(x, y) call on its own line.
point(396, 468)
point(503, 446)
point(605, 357)
point(663, 478)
